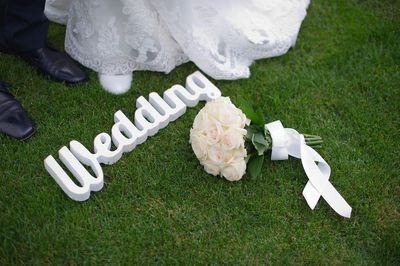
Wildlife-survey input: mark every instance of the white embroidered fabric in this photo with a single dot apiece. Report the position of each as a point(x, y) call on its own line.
point(222, 37)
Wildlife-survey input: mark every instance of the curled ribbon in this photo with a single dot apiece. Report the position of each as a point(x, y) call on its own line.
point(287, 141)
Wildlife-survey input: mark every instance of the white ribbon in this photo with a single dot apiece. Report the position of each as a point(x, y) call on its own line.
point(287, 141)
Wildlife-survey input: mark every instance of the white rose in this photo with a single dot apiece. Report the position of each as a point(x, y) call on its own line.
point(241, 152)
point(232, 138)
point(226, 112)
point(243, 119)
point(213, 131)
point(235, 170)
point(240, 120)
point(199, 144)
point(223, 110)
point(230, 156)
point(211, 168)
point(229, 115)
point(200, 121)
point(216, 154)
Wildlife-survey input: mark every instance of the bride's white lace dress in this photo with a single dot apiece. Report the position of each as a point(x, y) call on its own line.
point(222, 37)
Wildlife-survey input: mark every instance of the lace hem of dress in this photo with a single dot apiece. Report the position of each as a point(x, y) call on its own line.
point(123, 36)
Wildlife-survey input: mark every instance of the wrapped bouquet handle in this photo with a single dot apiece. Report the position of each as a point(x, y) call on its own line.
point(287, 141)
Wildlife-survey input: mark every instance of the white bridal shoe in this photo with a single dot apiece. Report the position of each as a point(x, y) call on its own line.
point(116, 84)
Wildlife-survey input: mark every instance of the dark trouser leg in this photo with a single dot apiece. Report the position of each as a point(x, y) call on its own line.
point(24, 32)
point(25, 25)
point(3, 6)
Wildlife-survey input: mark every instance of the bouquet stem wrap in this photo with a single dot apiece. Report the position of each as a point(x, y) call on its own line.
point(287, 141)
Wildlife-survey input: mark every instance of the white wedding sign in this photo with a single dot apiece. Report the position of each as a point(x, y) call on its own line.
point(151, 116)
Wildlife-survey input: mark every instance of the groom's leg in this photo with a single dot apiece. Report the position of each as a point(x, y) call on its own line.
point(13, 119)
point(3, 4)
point(24, 32)
point(25, 26)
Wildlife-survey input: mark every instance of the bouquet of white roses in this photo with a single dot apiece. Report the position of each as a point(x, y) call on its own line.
point(225, 140)
point(229, 141)
point(217, 139)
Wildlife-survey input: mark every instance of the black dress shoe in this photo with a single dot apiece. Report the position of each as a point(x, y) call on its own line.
point(55, 64)
point(13, 118)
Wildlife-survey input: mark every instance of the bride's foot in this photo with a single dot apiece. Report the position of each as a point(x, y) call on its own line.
point(116, 84)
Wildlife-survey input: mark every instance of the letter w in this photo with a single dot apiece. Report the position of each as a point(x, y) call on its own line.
point(74, 159)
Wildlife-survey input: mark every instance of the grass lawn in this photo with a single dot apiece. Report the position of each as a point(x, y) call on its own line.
point(341, 81)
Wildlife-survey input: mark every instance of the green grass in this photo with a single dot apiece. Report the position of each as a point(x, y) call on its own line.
point(341, 81)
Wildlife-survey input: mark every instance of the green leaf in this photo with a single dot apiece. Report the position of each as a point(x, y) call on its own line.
point(255, 117)
point(259, 142)
point(250, 132)
point(255, 165)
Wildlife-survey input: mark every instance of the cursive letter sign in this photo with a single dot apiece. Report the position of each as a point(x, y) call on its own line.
point(151, 116)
